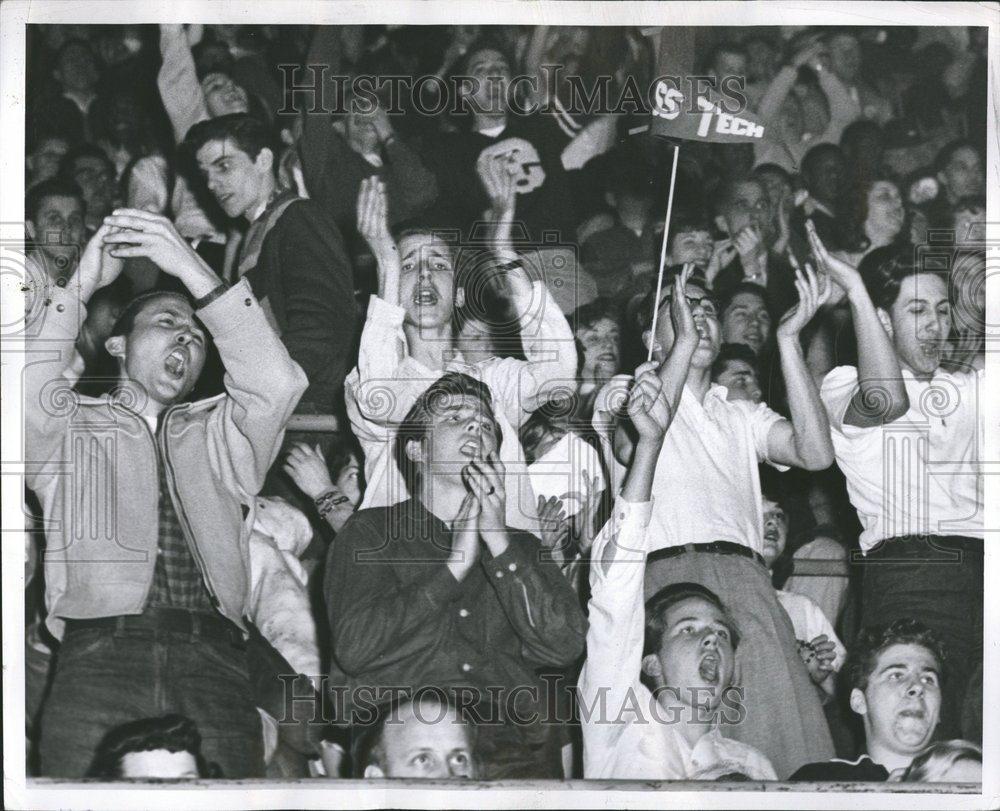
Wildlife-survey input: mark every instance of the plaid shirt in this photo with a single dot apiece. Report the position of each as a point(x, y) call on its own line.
point(177, 580)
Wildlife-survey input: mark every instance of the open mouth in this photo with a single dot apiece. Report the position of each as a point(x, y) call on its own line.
point(917, 713)
point(708, 668)
point(932, 349)
point(425, 297)
point(607, 357)
point(176, 363)
point(473, 449)
point(771, 536)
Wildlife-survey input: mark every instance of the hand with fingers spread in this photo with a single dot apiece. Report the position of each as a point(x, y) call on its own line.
point(844, 275)
point(306, 466)
point(98, 266)
point(134, 233)
point(465, 538)
point(686, 334)
point(647, 407)
point(373, 225)
point(819, 655)
point(553, 523)
point(813, 294)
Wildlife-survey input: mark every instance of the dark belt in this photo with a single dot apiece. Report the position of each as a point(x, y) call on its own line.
point(717, 547)
point(173, 620)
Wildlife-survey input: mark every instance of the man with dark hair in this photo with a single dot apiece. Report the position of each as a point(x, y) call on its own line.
point(736, 369)
point(92, 170)
point(408, 341)
point(152, 748)
point(707, 520)
point(292, 253)
point(422, 736)
point(743, 214)
point(958, 167)
point(656, 676)
point(149, 598)
point(908, 436)
point(439, 591)
point(744, 316)
point(896, 673)
point(54, 213)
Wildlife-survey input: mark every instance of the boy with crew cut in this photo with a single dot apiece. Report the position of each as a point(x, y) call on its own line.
point(146, 562)
point(292, 253)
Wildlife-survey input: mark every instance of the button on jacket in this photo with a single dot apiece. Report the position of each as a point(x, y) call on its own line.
point(399, 618)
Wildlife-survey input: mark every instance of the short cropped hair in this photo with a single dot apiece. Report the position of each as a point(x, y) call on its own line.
point(368, 740)
point(249, 134)
point(126, 321)
point(873, 640)
point(174, 733)
point(933, 763)
point(657, 605)
point(53, 187)
point(730, 293)
point(85, 150)
point(418, 419)
point(683, 221)
point(726, 192)
point(733, 352)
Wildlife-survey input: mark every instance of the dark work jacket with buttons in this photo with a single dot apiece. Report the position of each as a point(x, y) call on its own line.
point(400, 619)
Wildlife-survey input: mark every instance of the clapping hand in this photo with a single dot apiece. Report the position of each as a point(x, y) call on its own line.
point(844, 275)
point(813, 294)
point(98, 266)
point(686, 333)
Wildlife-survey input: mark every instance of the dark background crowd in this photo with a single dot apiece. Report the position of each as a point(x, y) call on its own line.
point(875, 135)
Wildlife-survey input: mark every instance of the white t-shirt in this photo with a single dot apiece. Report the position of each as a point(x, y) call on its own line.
point(918, 475)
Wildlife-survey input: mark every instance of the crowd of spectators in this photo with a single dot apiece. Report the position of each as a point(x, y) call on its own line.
point(370, 450)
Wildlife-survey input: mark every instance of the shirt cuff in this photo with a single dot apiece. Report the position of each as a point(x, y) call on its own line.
point(514, 560)
point(639, 512)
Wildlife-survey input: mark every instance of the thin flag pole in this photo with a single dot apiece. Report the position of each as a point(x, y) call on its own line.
point(663, 255)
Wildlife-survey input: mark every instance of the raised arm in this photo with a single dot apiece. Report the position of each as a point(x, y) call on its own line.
point(616, 609)
point(262, 382)
point(881, 396)
point(178, 82)
point(49, 350)
point(804, 441)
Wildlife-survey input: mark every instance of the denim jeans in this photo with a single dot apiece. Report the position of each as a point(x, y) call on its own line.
point(106, 677)
point(937, 580)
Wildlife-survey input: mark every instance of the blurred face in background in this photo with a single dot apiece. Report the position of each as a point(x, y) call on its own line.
point(963, 175)
point(223, 96)
point(96, 179)
point(43, 163)
point(601, 343)
point(845, 57)
point(740, 380)
point(885, 210)
point(749, 207)
point(492, 75)
point(58, 232)
point(76, 69)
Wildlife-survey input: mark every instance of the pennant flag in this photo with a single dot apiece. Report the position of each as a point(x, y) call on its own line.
point(682, 109)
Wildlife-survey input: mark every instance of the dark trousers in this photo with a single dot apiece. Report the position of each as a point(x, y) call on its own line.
point(109, 676)
point(937, 580)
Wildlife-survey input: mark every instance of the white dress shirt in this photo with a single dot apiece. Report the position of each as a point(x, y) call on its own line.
point(707, 483)
point(384, 385)
point(626, 735)
point(918, 475)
